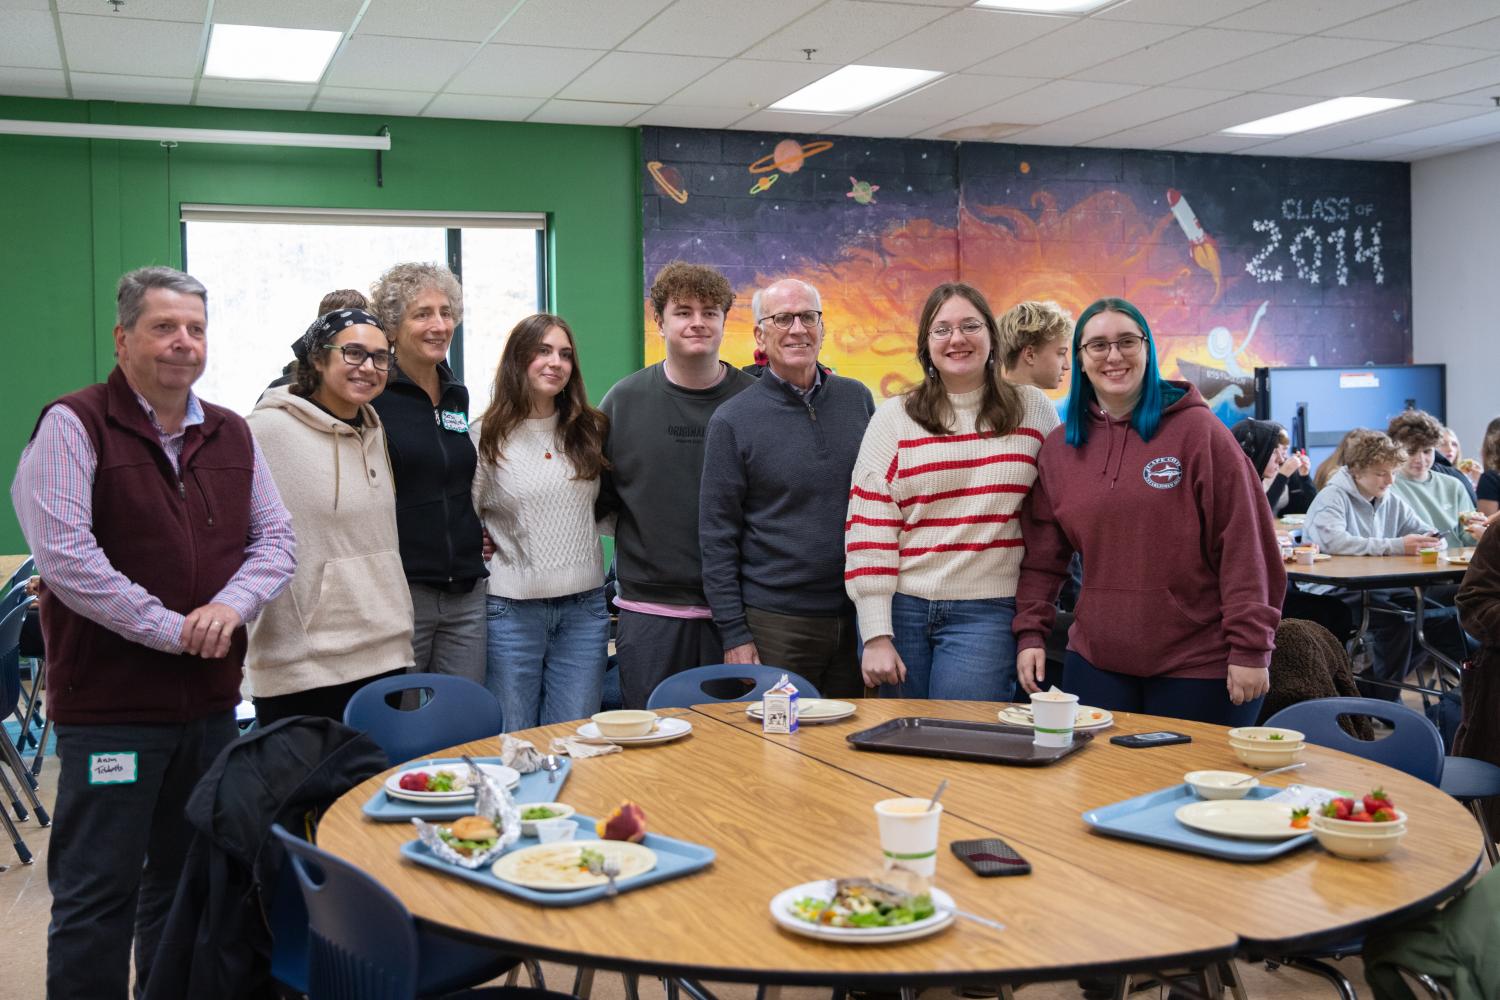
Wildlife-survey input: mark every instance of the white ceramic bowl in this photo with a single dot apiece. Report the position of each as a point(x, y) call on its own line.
point(1266, 757)
point(1219, 784)
point(560, 810)
point(624, 722)
point(1360, 841)
point(1256, 734)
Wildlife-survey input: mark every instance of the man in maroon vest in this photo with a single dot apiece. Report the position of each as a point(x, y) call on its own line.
point(158, 533)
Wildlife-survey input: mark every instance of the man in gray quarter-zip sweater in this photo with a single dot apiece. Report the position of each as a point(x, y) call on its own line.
point(776, 471)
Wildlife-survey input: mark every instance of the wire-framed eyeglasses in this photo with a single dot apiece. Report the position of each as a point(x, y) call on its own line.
point(1130, 345)
point(783, 321)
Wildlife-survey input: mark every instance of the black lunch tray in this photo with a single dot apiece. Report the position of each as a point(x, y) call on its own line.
point(989, 742)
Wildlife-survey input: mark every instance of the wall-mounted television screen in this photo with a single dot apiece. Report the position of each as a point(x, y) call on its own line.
point(1318, 406)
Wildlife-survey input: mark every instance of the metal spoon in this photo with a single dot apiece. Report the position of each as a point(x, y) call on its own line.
point(609, 868)
point(941, 788)
point(1266, 774)
point(986, 921)
point(550, 764)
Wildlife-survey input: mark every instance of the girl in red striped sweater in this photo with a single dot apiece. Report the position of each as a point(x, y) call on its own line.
point(933, 538)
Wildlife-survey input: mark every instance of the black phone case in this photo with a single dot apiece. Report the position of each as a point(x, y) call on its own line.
point(990, 857)
point(1133, 743)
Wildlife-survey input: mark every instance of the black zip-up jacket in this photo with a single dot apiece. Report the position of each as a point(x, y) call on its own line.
point(439, 532)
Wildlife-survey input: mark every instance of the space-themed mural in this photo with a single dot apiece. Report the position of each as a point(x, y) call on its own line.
point(1236, 261)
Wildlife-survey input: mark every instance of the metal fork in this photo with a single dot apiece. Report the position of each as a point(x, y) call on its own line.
point(609, 868)
point(550, 764)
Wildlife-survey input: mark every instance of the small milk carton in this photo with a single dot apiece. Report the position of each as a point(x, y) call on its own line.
point(779, 708)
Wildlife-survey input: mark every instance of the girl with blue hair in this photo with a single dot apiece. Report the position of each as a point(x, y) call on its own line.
point(1183, 575)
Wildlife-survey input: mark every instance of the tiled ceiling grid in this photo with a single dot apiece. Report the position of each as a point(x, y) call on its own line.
point(1146, 74)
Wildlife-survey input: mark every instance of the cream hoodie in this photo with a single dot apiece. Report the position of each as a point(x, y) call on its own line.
point(347, 613)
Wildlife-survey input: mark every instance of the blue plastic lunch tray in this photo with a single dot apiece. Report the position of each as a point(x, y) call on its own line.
point(673, 858)
point(1150, 818)
point(533, 788)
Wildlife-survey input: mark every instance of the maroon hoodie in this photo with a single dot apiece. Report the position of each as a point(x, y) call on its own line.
point(1182, 573)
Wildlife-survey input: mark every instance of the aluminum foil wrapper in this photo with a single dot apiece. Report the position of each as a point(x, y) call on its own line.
point(493, 803)
point(519, 754)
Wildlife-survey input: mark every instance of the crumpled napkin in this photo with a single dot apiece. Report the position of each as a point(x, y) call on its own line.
point(519, 754)
point(491, 801)
point(579, 748)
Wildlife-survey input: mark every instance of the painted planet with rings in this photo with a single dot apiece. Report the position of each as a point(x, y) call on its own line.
point(668, 181)
point(789, 155)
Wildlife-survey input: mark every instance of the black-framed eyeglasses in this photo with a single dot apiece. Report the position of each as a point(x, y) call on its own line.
point(970, 327)
point(783, 321)
point(1130, 345)
point(356, 355)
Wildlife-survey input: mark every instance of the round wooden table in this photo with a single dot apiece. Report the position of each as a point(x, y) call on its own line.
point(781, 810)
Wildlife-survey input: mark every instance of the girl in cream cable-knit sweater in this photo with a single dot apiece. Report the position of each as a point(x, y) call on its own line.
point(933, 539)
point(540, 458)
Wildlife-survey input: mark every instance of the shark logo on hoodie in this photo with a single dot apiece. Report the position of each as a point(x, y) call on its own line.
point(1163, 473)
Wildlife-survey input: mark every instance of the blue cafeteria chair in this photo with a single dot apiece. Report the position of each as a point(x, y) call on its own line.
point(364, 945)
point(456, 710)
point(691, 687)
point(10, 700)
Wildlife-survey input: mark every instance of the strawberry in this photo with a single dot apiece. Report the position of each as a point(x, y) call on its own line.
point(1383, 816)
point(1299, 818)
point(1376, 801)
point(414, 781)
point(1338, 808)
point(1359, 817)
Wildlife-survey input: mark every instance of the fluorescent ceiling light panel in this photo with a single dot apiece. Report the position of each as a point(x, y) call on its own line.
point(1340, 109)
point(1044, 6)
point(250, 52)
point(854, 88)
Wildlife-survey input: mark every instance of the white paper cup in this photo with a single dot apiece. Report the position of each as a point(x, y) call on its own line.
point(549, 831)
point(909, 834)
point(1054, 713)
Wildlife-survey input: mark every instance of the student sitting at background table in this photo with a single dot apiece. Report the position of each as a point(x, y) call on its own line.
point(1184, 581)
point(1283, 475)
point(1446, 460)
point(1437, 499)
point(1488, 488)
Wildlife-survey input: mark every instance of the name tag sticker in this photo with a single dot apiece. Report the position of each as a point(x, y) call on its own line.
point(112, 768)
point(455, 420)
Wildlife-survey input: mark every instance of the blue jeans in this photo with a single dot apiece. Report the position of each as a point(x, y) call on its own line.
point(1193, 698)
point(957, 650)
point(546, 657)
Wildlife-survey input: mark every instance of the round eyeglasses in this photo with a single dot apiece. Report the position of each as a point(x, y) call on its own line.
point(783, 321)
point(1130, 345)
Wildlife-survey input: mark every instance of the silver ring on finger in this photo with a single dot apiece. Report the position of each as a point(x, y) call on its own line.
point(215, 624)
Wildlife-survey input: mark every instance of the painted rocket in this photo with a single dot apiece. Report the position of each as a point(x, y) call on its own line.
point(1205, 253)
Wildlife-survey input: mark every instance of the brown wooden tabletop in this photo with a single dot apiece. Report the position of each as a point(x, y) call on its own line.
point(1300, 899)
point(778, 817)
point(1378, 571)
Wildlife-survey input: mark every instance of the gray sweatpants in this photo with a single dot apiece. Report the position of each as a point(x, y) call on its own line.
point(651, 648)
point(449, 635)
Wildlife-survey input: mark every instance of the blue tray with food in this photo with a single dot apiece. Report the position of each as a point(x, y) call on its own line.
point(1250, 829)
point(557, 873)
point(436, 789)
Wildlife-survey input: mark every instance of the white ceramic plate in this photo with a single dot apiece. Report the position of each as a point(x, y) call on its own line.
point(1246, 819)
point(1458, 557)
point(810, 710)
point(507, 777)
point(554, 867)
point(1086, 720)
point(781, 912)
point(666, 729)
point(1293, 519)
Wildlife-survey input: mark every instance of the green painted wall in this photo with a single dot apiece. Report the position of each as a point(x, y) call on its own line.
point(75, 214)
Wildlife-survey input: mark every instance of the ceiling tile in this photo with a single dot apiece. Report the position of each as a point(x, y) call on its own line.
point(679, 116)
point(150, 10)
point(957, 95)
point(1478, 127)
point(112, 87)
point(1076, 47)
point(637, 76)
point(367, 101)
point(386, 63)
point(460, 20)
point(1208, 119)
point(1481, 75)
point(714, 28)
point(1052, 100)
point(1182, 55)
point(24, 5)
point(126, 45)
point(1398, 121)
point(1298, 57)
point(1142, 108)
point(962, 39)
point(28, 40)
point(1304, 16)
point(505, 109)
point(582, 24)
point(1060, 133)
point(1305, 144)
point(33, 82)
point(746, 84)
point(1186, 12)
point(1484, 35)
point(879, 126)
point(1484, 96)
point(522, 70)
point(587, 112)
point(255, 94)
point(321, 15)
point(844, 31)
point(1392, 66)
point(788, 121)
point(1418, 20)
point(1370, 150)
point(1205, 144)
